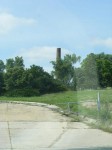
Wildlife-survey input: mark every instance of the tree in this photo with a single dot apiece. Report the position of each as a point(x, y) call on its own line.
point(14, 78)
point(2, 66)
point(30, 82)
point(38, 79)
point(80, 78)
point(96, 71)
point(9, 63)
point(64, 70)
point(17, 62)
point(89, 68)
point(1, 83)
point(104, 67)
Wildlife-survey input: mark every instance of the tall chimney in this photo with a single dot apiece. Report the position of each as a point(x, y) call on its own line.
point(58, 54)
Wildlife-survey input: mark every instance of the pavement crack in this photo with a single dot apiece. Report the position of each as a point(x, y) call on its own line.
point(57, 139)
point(9, 135)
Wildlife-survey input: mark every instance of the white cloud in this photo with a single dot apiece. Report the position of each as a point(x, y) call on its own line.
point(8, 22)
point(103, 42)
point(41, 56)
point(42, 53)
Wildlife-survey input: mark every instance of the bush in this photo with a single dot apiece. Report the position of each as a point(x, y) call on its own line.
point(22, 93)
point(58, 86)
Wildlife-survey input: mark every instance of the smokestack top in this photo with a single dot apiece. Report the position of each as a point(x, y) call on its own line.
point(58, 55)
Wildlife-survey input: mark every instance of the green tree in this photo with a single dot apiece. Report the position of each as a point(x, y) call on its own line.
point(17, 62)
point(89, 68)
point(30, 82)
point(95, 71)
point(104, 67)
point(80, 78)
point(14, 75)
point(1, 82)
point(2, 66)
point(64, 70)
point(9, 63)
point(14, 78)
point(38, 79)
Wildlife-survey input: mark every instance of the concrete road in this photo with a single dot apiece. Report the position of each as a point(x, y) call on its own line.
point(26, 127)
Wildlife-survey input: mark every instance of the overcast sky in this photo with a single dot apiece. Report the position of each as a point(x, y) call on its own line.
point(34, 28)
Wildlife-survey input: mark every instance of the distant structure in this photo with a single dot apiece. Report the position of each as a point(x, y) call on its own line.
point(58, 54)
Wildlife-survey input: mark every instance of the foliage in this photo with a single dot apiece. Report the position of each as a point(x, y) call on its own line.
point(22, 93)
point(95, 71)
point(13, 78)
point(104, 68)
point(2, 66)
point(33, 81)
point(14, 63)
point(37, 78)
point(64, 70)
point(1, 83)
point(87, 74)
point(80, 78)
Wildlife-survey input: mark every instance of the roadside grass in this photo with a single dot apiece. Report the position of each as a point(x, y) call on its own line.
point(47, 98)
point(69, 96)
point(104, 117)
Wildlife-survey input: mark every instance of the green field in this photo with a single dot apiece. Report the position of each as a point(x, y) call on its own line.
point(69, 96)
point(104, 117)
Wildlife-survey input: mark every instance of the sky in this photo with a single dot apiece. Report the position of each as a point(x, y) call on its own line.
point(34, 29)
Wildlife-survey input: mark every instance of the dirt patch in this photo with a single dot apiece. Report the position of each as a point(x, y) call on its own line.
point(89, 104)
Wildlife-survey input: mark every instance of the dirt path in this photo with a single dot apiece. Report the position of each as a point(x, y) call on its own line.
point(26, 127)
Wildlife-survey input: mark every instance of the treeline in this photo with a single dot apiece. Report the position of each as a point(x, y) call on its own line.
point(16, 80)
point(95, 72)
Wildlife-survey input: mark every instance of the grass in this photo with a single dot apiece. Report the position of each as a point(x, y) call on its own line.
point(68, 96)
point(47, 98)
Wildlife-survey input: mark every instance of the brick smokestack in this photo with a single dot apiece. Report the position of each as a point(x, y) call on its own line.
point(58, 54)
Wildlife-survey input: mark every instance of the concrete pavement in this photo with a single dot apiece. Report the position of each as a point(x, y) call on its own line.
point(25, 127)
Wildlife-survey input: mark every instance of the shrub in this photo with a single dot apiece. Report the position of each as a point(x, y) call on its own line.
point(22, 93)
